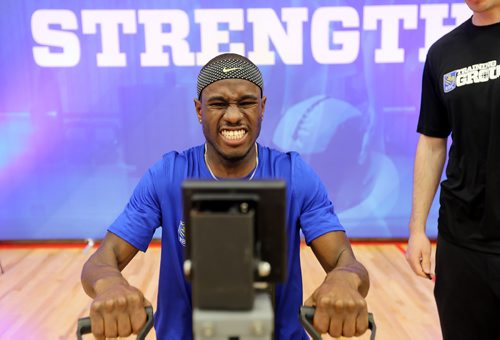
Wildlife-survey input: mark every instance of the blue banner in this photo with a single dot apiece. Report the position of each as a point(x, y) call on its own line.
point(94, 92)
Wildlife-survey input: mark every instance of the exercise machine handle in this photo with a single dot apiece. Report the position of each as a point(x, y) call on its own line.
point(306, 316)
point(84, 327)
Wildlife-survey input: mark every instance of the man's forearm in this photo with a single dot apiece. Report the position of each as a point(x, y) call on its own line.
point(98, 276)
point(429, 161)
point(355, 274)
point(103, 268)
point(335, 254)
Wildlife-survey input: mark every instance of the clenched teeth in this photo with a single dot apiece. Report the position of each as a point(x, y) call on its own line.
point(230, 134)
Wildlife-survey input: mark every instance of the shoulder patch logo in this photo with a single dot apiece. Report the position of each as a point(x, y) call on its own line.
point(181, 232)
point(450, 81)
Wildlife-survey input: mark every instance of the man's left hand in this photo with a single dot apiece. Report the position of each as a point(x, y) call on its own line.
point(340, 309)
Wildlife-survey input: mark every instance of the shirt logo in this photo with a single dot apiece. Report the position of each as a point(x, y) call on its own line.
point(230, 69)
point(181, 231)
point(450, 81)
point(474, 74)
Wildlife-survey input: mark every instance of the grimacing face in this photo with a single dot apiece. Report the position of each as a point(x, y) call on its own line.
point(231, 112)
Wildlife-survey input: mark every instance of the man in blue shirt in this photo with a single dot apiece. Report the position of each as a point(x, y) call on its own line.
point(230, 108)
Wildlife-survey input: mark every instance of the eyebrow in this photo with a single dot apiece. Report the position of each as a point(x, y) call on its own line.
point(248, 96)
point(221, 98)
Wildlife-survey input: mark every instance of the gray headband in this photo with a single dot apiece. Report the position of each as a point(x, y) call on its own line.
point(230, 68)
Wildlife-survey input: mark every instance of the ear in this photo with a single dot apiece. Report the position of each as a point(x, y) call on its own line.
point(197, 107)
point(263, 107)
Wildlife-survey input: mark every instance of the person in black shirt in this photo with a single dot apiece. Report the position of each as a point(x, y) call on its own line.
point(461, 96)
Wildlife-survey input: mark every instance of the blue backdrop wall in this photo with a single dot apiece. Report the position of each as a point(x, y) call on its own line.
point(92, 93)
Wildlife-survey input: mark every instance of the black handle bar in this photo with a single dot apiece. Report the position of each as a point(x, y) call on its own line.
point(306, 315)
point(84, 327)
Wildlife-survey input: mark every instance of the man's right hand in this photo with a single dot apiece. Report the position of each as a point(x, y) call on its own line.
point(117, 310)
point(418, 254)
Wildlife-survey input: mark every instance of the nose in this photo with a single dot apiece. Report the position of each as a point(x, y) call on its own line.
point(233, 114)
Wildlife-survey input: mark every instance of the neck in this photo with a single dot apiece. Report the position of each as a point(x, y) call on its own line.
point(489, 17)
point(220, 167)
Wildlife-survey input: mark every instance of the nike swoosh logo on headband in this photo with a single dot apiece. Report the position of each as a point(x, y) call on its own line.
point(226, 70)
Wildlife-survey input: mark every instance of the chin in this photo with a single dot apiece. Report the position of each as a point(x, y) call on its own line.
point(237, 153)
point(479, 5)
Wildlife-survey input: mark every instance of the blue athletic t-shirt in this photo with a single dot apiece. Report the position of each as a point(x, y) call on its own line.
point(157, 202)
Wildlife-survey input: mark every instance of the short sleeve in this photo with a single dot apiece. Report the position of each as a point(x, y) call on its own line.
point(141, 216)
point(317, 216)
point(433, 120)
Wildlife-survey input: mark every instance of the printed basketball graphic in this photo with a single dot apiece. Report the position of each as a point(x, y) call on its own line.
point(308, 126)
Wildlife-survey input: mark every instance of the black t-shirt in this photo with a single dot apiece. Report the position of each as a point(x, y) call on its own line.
point(461, 96)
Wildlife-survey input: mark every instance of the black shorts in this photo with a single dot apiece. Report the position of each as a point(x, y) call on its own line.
point(467, 292)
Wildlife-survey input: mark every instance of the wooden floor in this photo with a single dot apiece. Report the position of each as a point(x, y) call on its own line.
point(41, 296)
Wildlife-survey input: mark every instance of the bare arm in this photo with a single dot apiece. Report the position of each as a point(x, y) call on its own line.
point(429, 162)
point(107, 263)
point(117, 308)
point(334, 252)
point(340, 305)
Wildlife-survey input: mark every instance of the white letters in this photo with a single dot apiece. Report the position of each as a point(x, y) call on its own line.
point(156, 39)
point(320, 35)
point(478, 73)
point(270, 37)
point(267, 27)
point(461, 79)
point(389, 17)
point(495, 72)
point(109, 20)
point(67, 41)
point(210, 35)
